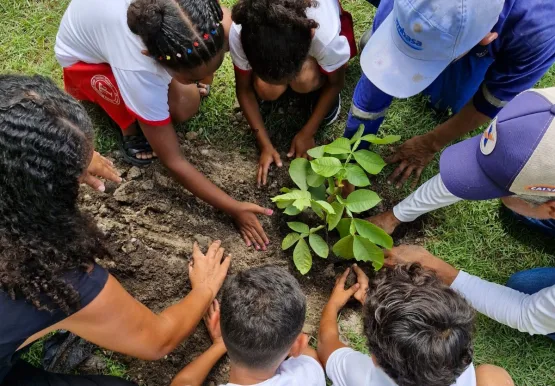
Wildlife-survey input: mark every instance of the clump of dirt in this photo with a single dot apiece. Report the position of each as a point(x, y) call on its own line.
point(151, 223)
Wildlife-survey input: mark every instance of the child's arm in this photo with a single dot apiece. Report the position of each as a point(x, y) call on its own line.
point(196, 372)
point(165, 143)
point(247, 100)
point(304, 140)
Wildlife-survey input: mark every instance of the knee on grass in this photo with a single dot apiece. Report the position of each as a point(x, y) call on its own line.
point(490, 375)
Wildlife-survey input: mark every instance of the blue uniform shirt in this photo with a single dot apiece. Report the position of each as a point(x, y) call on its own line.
point(491, 76)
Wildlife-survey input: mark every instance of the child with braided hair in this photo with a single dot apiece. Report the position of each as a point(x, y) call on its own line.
point(140, 61)
point(302, 44)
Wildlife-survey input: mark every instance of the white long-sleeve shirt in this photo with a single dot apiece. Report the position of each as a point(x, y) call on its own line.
point(534, 314)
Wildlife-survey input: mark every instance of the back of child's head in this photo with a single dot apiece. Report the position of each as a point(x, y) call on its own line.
point(418, 329)
point(262, 313)
point(179, 34)
point(276, 36)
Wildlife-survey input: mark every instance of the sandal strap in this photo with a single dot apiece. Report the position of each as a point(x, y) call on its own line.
point(135, 144)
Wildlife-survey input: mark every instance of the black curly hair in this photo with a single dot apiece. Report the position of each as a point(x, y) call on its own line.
point(45, 146)
point(419, 329)
point(276, 36)
point(179, 34)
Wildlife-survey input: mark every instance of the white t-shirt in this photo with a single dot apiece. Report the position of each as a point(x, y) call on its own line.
point(328, 47)
point(347, 367)
point(299, 371)
point(97, 32)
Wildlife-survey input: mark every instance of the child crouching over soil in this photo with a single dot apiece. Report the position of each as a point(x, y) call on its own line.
point(418, 329)
point(140, 60)
point(262, 314)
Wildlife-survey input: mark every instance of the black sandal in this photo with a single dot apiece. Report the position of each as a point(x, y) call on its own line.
point(131, 145)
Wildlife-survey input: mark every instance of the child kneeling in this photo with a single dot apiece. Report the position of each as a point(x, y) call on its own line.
point(262, 314)
point(418, 329)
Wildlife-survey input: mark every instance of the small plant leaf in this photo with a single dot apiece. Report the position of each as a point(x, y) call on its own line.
point(344, 247)
point(373, 233)
point(314, 230)
point(365, 250)
point(326, 166)
point(318, 193)
point(381, 141)
point(339, 146)
point(370, 161)
point(290, 240)
point(361, 200)
point(352, 228)
point(292, 211)
point(314, 180)
point(319, 245)
point(358, 134)
point(356, 176)
point(316, 152)
point(302, 257)
point(298, 227)
point(285, 190)
point(284, 204)
point(334, 218)
point(298, 171)
point(344, 226)
point(326, 206)
point(317, 208)
point(301, 203)
point(292, 195)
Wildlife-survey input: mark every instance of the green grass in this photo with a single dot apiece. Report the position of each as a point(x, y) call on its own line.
point(475, 236)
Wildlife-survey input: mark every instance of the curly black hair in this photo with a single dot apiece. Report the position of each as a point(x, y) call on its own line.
point(419, 329)
point(45, 146)
point(276, 36)
point(179, 34)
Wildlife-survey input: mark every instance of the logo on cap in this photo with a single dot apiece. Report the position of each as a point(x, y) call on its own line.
point(411, 42)
point(542, 188)
point(489, 138)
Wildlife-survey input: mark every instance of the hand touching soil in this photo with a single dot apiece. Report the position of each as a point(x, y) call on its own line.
point(300, 145)
point(249, 226)
point(100, 167)
point(209, 271)
point(386, 220)
point(267, 157)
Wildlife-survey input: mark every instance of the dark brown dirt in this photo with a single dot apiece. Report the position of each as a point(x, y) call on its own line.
point(151, 223)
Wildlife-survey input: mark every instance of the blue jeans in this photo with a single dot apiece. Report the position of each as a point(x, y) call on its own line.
point(532, 281)
point(545, 226)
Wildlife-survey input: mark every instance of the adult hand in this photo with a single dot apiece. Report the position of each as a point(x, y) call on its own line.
point(100, 167)
point(212, 322)
point(386, 220)
point(413, 156)
point(267, 157)
point(249, 226)
point(209, 271)
point(404, 254)
point(340, 296)
point(300, 145)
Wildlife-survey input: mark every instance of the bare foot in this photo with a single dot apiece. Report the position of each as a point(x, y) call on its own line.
point(386, 220)
point(133, 129)
point(203, 89)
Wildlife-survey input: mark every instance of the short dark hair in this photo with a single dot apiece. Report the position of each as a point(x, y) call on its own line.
point(263, 311)
point(187, 32)
point(276, 36)
point(419, 329)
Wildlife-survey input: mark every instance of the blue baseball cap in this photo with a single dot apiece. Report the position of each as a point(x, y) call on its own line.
point(420, 38)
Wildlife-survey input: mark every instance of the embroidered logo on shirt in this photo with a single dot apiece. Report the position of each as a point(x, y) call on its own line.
point(542, 188)
point(411, 42)
point(489, 139)
point(102, 85)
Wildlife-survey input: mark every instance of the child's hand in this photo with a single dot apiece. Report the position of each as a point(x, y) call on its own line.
point(362, 281)
point(249, 226)
point(212, 322)
point(300, 145)
point(208, 271)
point(100, 167)
point(340, 296)
point(267, 157)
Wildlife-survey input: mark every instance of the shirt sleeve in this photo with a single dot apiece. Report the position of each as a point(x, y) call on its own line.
point(145, 94)
point(303, 368)
point(334, 55)
point(238, 56)
point(428, 197)
point(534, 314)
point(347, 367)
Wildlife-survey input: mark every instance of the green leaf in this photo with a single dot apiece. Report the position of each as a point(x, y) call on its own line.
point(302, 257)
point(358, 134)
point(357, 176)
point(319, 245)
point(327, 207)
point(284, 204)
point(370, 161)
point(316, 152)
point(349, 213)
point(365, 250)
point(292, 195)
point(344, 247)
point(317, 208)
point(292, 211)
point(298, 227)
point(381, 141)
point(339, 146)
point(301, 203)
point(352, 228)
point(373, 233)
point(290, 240)
point(314, 180)
point(318, 193)
point(285, 190)
point(343, 227)
point(326, 166)
point(298, 171)
point(314, 230)
point(361, 200)
point(333, 219)
point(331, 186)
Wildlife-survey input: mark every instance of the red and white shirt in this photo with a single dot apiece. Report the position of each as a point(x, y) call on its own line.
point(97, 32)
point(329, 48)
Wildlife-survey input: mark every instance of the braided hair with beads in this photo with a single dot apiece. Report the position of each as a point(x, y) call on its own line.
point(45, 146)
point(179, 34)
